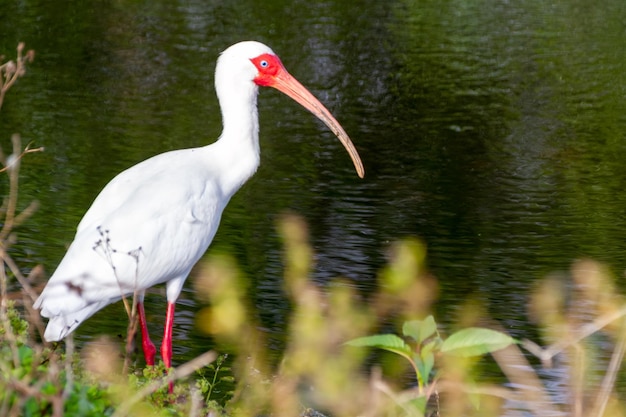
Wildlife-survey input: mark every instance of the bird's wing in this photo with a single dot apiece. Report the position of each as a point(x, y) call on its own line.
point(149, 225)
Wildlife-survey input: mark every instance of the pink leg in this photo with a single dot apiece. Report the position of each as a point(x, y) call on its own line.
point(166, 346)
point(149, 351)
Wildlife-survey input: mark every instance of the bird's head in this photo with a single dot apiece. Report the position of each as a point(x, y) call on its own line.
point(236, 61)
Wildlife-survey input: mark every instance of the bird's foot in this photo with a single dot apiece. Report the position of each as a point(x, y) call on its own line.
point(149, 351)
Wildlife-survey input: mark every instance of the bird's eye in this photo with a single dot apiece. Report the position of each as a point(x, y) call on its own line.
point(264, 64)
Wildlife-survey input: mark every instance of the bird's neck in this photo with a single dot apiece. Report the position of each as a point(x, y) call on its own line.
point(239, 140)
point(241, 121)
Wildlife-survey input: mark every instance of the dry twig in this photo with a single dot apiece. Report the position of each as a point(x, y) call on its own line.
point(11, 71)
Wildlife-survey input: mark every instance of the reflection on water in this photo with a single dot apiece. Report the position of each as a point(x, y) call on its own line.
point(492, 132)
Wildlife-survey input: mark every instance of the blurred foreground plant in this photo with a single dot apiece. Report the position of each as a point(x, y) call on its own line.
point(321, 369)
point(316, 369)
point(427, 343)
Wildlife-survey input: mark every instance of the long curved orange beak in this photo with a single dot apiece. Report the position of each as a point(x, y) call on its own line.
point(286, 83)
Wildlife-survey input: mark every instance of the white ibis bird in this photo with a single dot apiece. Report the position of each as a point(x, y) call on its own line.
point(152, 222)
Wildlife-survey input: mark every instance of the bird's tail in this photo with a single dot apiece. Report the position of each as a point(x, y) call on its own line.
point(62, 325)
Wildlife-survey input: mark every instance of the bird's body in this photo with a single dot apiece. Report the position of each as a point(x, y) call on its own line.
point(108, 257)
point(152, 222)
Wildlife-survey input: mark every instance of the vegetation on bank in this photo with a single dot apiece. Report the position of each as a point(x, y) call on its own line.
point(334, 337)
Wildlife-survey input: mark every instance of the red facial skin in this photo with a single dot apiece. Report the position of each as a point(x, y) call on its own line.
point(269, 66)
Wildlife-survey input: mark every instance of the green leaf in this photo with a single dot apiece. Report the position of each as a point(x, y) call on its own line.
point(31, 407)
point(427, 359)
point(389, 342)
point(412, 329)
point(420, 330)
point(419, 404)
point(25, 355)
point(475, 341)
point(49, 389)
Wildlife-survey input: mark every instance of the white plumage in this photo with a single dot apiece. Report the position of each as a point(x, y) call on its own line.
point(153, 222)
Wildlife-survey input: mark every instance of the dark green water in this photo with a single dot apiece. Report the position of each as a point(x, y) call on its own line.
point(493, 131)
